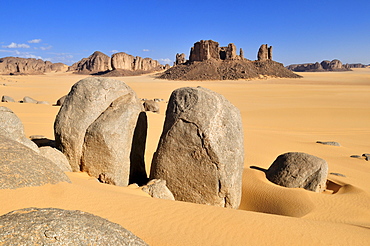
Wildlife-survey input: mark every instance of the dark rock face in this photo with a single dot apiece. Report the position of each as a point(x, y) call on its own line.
point(208, 61)
point(201, 151)
point(23, 167)
point(97, 62)
point(12, 128)
point(16, 65)
point(95, 130)
point(299, 170)
point(180, 59)
point(53, 226)
point(334, 65)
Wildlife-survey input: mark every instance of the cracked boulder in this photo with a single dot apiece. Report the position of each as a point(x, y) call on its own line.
point(299, 170)
point(200, 154)
point(102, 130)
point(53, 226)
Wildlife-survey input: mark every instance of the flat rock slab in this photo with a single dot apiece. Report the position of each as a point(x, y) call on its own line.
point(52, 226)
point(22, 167)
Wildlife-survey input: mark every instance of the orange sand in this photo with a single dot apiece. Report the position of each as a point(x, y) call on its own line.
point(279, 115)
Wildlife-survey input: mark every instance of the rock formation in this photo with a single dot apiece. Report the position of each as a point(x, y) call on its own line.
point(96, 129)
point(209, 61)
point(180, 59)
point(357, 65)
point(12, 128)
point(150, 105)
point(97, 62)
point(264, 53)
point(200, 153)
point(17, 66)
point(22, 167)
point(57, 157)
point(334, 65)
point(120, 64)
point(299, 170)
point(53, 226)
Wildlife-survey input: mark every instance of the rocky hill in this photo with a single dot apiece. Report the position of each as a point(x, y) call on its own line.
point(357, 65)
point(23, 66)
point(120, 64)
point(334, 65)
point(209, 61)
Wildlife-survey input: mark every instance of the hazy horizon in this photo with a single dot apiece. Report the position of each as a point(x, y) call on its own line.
point(299, 32)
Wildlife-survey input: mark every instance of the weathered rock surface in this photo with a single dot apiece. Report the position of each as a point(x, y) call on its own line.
point(299, 170)
point(208, 61)
point(157, 188)
point(122, 60)
point(151, 105)
point(53, 226)
point(16, 65)
point(23, 167)
point(57, 157)
point(95, 129)
point(334, 65)
point(12, 127)
point(180, 59)
point(201, 151)
point(96, 62)
point(7, 99)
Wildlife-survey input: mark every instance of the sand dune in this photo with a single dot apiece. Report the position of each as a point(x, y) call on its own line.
point(279, 115)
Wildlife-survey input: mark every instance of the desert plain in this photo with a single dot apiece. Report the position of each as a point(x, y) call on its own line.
point(279, 115)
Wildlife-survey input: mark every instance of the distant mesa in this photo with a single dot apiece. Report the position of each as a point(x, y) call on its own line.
point(358, 65)
point(209, 61)
point(119, 64)
point(334, 65)
point(25, 66)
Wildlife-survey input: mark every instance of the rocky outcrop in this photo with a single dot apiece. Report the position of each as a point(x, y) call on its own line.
point(120, 64)
point(12, 128)
point(97, 62)
point(357, 65)
point(200, 152)
point(208, 61)
point(180, 59)
point(264, 53)
point(16, 65)
point(23, 167)
point(96, 129)
point(334, 65)
point(53, 226)
point(299, 170)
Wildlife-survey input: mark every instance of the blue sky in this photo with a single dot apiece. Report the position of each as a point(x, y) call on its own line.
point(299, 31)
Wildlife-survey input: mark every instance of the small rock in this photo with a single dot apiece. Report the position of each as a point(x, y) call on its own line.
point(29, 100)
point(7, 99)
point(150, 105)
point(356, 156)
point(158, 100)
point(338, 174)
point(157, 188)
point(367, 156)
point(331, 143)
point(61, 101)
point(42, 102)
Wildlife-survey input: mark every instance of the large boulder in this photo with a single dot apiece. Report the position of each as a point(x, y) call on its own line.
point(22, 167)
point(95, 129)
point(299, 170)
point(201, 152)
point(12, 127)
point(53, 226)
